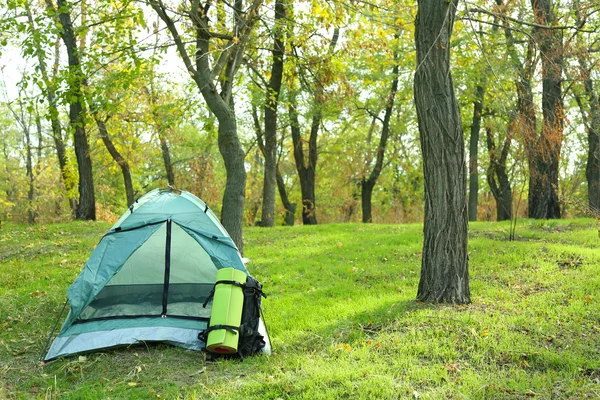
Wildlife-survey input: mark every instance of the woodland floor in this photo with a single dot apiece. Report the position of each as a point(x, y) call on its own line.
point(342, 318)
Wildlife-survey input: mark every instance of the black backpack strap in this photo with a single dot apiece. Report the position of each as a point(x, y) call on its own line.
point(229, 328)
point(226, 282)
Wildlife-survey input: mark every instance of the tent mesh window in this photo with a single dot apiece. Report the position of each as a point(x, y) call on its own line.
point(143, 288)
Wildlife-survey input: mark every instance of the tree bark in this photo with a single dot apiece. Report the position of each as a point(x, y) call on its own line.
point(86, 208)
point(473, 152)
point(368, 184)
point(497, 176)
point(271, 103)
point(444, 268)
point(543, 185)
point(118, 158)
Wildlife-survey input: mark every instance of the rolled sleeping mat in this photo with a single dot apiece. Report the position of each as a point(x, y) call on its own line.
point(228, 302)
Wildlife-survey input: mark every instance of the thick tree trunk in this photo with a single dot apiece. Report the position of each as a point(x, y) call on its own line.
point(497, 176)
point(271, 103)
point(290, 208)
point(543, 186)
point(473, 152)
point(444, 268)
point(368, 184)
point(118, 158)
point(86, 208)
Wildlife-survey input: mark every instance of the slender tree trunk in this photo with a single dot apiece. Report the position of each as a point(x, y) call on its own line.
point(29, 174)
point(118, 158)
point(52, 115)
point(290, 208)
point(161, 129)
point(271, 103)
point(368, 184)
point(444, 268)
point(473, 152)
point(9, 190)
point(306, 171)
point(543, 187)
point(221, 104)
point(591, 120)
point(86, 208)
point(497, 176)
point(166, 155)
point(307, 167)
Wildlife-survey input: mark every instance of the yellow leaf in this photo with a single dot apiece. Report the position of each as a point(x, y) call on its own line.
point(132, 384)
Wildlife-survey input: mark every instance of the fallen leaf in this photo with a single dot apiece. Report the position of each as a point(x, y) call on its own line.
point(132, 384)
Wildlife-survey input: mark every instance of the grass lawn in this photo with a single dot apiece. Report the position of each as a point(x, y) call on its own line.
point(342, 318)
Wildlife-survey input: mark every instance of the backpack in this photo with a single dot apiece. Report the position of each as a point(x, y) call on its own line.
point(251, 341)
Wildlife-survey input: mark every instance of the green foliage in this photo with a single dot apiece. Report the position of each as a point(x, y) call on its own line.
point(342, 318)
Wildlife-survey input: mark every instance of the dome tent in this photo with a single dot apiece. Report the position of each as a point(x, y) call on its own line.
point(148, 277)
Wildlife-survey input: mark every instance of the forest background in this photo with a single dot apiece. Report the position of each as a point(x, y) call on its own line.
point(313, 99)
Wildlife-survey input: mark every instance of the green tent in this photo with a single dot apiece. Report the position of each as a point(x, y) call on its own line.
point(148, 277)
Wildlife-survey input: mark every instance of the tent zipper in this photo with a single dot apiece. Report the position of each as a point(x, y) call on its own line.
point(167, 270)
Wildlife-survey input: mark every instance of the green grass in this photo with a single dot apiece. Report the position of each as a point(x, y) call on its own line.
point(342, 319)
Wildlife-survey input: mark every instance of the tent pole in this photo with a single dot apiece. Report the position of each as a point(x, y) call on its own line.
point(44, 350)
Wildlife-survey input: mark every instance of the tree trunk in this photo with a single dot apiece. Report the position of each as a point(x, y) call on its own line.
point(473, 152)
point(290, 208)
point(52, 115)
point(592, 170)
point(271, 103)
point(306, 171)
point(366, 196)
point(367, 184)
point(166, 155)
point(500, 188)
point(221, 104)
point(118, 158)
point(591, 121)
point(86, 208)
point(10, 191)
point(29, 172)
point(444, 268)
point(543, 186)
point(232, 213)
